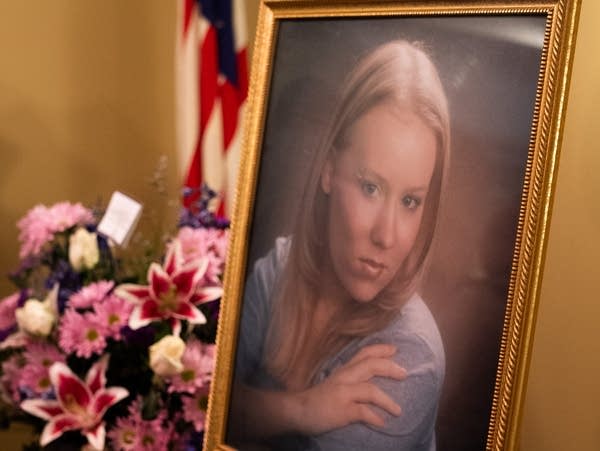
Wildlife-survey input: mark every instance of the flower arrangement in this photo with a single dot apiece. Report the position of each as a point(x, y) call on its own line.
point(100, 356)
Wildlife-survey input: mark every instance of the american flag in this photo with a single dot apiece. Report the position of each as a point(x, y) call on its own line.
point(211, 90)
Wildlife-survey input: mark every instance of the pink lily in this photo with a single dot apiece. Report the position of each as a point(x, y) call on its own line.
point(80, 405)
point(173, 291)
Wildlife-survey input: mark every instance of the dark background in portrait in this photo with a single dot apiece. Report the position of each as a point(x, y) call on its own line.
point(489, 66)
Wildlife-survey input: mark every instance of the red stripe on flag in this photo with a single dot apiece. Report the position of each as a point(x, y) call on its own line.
point(194, 176)
point(209, 73)
point(230, 104)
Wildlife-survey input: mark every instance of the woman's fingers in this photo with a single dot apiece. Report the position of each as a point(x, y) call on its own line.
point(334, 403)
point(378, 350)
point(349, 395)
point(368, 368)
point(370, 394)
point(363, 413)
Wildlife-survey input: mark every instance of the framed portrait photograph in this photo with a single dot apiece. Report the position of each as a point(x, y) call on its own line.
point(388, 238)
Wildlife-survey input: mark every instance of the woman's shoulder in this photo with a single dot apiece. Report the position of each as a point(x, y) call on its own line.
point(267, 270)
point(414, 330)
point(415, 335)
point(419, 349)
point(257, 312)
point(281, 249)
point(276, 257)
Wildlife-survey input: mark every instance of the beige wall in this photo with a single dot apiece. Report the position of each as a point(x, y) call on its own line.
point(563, 393)
point(86, 104)
point(86, 107)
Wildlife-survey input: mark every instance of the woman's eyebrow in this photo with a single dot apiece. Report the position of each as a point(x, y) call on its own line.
point(417, 189)
point(363, 173)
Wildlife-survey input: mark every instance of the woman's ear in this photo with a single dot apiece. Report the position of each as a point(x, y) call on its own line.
point(326, 175)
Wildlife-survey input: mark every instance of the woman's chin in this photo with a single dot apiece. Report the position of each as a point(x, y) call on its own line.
point(364, 295)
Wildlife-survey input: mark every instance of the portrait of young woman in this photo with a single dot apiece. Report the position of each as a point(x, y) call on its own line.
point(380, 249)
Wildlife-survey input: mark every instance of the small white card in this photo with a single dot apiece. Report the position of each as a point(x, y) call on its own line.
point(120, 218)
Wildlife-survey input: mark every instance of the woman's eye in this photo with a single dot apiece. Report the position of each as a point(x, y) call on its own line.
point(368, 188)
point(411, 202)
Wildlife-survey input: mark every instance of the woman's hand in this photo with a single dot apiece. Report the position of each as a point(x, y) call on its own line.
point(347, 395)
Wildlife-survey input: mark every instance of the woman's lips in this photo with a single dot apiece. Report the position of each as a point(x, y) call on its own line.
point(371, 267)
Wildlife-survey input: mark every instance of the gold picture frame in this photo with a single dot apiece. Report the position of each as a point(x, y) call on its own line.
point(507, 67)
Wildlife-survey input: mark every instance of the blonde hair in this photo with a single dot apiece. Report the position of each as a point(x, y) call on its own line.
point(402, 75)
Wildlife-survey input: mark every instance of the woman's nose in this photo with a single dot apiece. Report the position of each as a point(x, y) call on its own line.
point(383, 231)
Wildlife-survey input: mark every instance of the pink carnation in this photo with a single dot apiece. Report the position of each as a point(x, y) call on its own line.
point(124, 435)
point(194, 408)
point(134, 433)
point(205, 243)
point(81, 334)
point(91, 294)
point(40, 224)
point(8, 305)
point(11, 376)
point(113, 314)
point(39, 357)
point(198, 365)
point(155, 435)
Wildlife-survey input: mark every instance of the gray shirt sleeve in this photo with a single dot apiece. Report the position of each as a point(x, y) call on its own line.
point(417, 395)
point(255, 314)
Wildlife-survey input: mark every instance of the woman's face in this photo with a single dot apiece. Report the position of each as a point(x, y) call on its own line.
point(377, 188)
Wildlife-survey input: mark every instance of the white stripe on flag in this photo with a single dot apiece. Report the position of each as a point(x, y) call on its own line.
point(186, 90)
point(240, 28)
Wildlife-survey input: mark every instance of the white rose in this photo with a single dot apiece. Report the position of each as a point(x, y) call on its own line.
point(165, 356)
point(35, 318)
point(83, 250)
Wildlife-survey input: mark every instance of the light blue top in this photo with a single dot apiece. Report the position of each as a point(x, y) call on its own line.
point(419, 350)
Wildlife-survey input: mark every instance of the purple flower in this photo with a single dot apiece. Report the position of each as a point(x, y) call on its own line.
point(69, 281)
point(197, 212)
